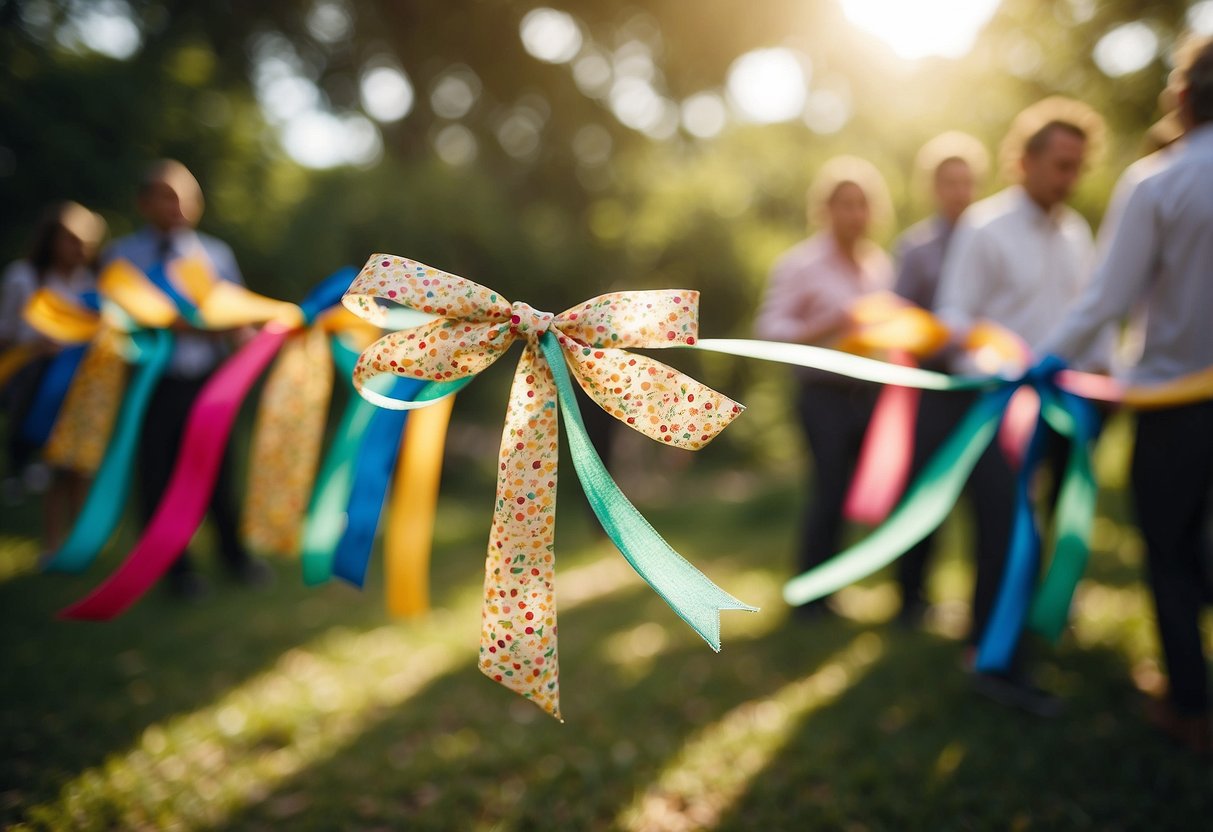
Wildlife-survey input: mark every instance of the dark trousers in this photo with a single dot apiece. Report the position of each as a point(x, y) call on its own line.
point(159, 446)
point(1172, 476)
point(834, 418)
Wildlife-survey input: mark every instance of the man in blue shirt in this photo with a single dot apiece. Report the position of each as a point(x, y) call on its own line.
point(170, 201)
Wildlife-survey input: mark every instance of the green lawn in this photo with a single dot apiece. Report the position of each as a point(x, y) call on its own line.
point(301, 709)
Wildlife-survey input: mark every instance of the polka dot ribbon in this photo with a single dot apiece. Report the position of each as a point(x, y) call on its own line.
point(470, 327)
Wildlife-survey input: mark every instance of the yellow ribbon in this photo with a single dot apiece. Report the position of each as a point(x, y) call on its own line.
point(410, 523)
point(474, 326)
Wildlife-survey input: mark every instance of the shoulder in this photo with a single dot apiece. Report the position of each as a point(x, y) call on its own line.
point(805, 254)
point(917, 239)
point(214, 245)
point(124, 246)
point(993, 212)
point(1075, 223)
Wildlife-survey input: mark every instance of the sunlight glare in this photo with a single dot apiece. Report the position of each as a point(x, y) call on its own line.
point(550, 35)
point(1126, 49)
point(946, 28)
point(769, 85)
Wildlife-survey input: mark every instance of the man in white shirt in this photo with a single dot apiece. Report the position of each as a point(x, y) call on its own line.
point(1019, 258)
point(170, 202)
point(1160, 255)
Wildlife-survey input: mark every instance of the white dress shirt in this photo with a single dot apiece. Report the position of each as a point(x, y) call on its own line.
point(1015, 264)
point(1160, 253)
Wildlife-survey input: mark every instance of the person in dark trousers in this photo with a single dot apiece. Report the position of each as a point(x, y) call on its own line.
point(170, 202)
point(953, 164)
point(1019, 259)
point(809, 300)
point(1159, 254)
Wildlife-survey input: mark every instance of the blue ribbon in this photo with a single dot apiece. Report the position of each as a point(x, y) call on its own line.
point(372, 476)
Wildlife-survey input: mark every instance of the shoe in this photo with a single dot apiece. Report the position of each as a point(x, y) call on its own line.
point(254, 573)
point(1014, 691)
point(189, 587)
point(1192, 731)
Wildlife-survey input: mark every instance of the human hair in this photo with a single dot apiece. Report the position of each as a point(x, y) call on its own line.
point(174, 174)
point(1034, 127)
point(1194, 64)
point(842, 170)
point(951, 146)
point(62, 216)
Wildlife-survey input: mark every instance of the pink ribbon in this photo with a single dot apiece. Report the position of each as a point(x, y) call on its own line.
point(887, 454)
point(185, 501)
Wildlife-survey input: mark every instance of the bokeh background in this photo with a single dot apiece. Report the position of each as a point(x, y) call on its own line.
point(555, 152)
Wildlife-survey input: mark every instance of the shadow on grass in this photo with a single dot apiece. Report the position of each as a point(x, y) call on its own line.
point(466, 754)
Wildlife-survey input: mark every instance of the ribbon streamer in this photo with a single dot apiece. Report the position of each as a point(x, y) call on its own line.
point(103, 506)
point(473, 328)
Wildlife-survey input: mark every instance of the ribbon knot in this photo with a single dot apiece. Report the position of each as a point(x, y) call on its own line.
point(526, 322)
point(465, 336)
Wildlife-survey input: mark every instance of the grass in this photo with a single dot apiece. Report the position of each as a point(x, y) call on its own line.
point(311, 709)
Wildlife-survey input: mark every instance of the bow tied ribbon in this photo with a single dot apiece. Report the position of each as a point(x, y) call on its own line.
point(467, 328)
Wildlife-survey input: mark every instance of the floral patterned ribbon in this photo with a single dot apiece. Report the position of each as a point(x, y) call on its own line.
point(472, 326)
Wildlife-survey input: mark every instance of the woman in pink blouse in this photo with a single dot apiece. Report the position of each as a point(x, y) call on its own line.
point(810, 299)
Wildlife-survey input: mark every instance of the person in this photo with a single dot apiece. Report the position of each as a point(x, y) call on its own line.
point(809, 300)
point(61, 258)
point(954, 163)
point(170, 202)
point(1019, 259)
point(1158, 255)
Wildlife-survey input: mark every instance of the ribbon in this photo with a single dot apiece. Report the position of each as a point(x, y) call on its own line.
point(372, 474)
point(287, 435)
point(86, 418)
point(208, 428)
point(1014, 606)
point(473, 328)
point(326, 515)
point(184, 503)
point(106, 498)
point(48, 399)
point(886, 454)
point(408, 538)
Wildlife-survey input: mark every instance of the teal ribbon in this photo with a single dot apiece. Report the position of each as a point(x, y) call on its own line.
point(326, 515)
point(927, 502)
point(689, 592)
point(107, 496)
point(1049, 610)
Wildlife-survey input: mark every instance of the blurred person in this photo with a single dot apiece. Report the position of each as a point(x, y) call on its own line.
point(61, 258)
point(1159, 255)
point(170, 202)
point(809, 300)
point(953, 164)
point(1019, 259)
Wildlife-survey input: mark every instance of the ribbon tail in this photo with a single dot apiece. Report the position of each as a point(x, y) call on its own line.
point(80, 435)
point(996, 650)
point(845, 364)
point(885, 457)
point(286, 444)
point(920, 512)
point(1073, 417)
point(48, 400)
point(518, 644)
point(181, 509)
point(372, 475)
point(409, 537)
point(326, 515)
point(102, 508)
point(689, 592)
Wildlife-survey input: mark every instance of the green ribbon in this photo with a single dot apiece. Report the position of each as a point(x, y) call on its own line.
point(689, 592)
point(923, 508)
point(107, 496)
point(1070, 416)
point(326, 515)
